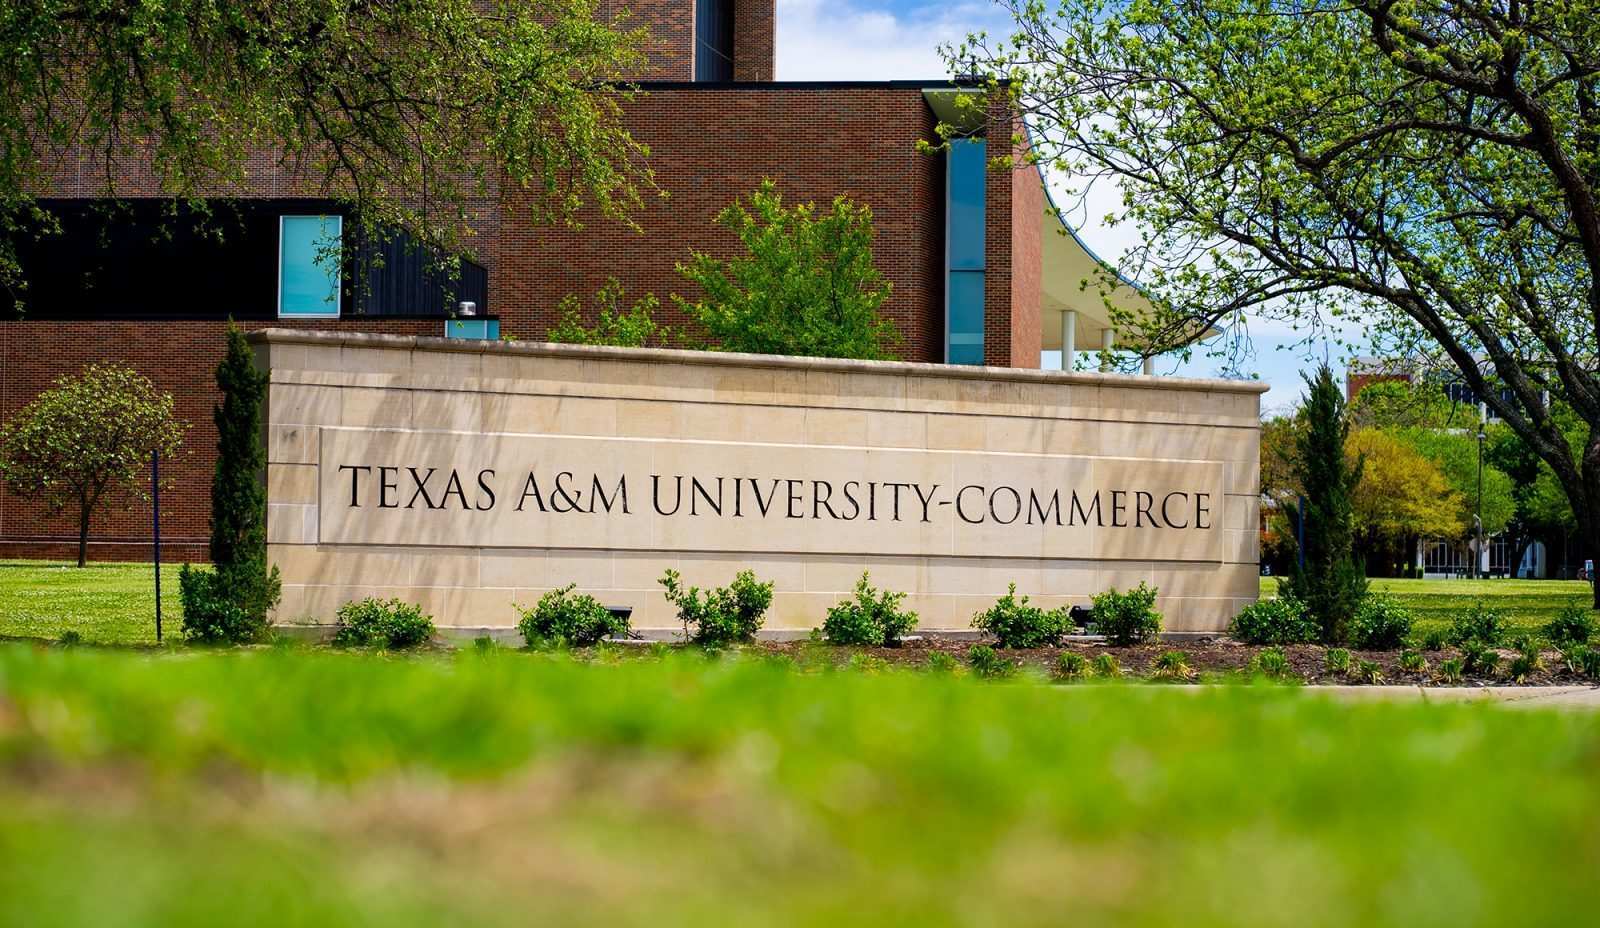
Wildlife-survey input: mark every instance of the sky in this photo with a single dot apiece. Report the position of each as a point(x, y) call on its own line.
point(899, 40)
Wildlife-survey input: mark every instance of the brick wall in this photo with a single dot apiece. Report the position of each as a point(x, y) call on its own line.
point(711, 145)
point(754, 28)
point(1013, 205)
point(1022, 309)
point(671, 25)
point(180, 358)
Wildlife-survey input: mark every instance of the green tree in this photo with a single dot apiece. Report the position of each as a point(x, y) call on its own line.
point(635, 327)
point(806, 284)
point(405, 111)
point(1330, 583)
point(86, 437)
point(232, 602)
point(1455, 453)
point(1402, 496)
point(1429, 168)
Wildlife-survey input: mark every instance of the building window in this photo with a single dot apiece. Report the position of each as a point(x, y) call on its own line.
point(965, 166)
point(309, 259)
point(713, 40)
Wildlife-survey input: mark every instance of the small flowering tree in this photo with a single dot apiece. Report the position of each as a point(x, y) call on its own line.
point(89, 439)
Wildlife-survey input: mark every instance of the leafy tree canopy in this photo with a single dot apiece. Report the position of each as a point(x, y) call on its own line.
point(634, 327)
point(1402, 495)
point(86, 437)
point(806, 284)
point(1425, 170)
point(410, 111)
point(1455, 453)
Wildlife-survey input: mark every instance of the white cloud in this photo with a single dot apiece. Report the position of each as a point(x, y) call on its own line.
point(820, 40)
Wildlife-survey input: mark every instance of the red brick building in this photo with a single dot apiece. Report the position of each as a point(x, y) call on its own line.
point(982, 271)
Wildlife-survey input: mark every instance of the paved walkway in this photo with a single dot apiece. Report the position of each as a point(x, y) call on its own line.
point(1537, 697)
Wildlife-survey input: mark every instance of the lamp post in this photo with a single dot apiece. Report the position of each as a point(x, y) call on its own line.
point(1478, 516)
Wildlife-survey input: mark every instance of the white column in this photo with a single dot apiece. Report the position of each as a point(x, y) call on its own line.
point(1150, 366)
point(1108, 343)
point(1069, 338)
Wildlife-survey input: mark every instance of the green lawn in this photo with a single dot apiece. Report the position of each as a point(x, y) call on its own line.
point(103, 603)
point(1525, 603)
point(297, 786)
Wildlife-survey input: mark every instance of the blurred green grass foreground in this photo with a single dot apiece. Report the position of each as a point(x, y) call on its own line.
point(292, 786)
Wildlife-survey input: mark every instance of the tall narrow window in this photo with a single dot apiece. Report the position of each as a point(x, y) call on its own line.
point(965, 166)
point(309, 256)
point(713, 40)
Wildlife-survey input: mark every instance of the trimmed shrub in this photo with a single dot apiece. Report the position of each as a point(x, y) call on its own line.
point(1481, 626)
point(380, 623)
point(563, 619)
point(1019, 625)
point(213, 613)
point(1479, 658)
point(1528, 660)
point(1589, 663)
point(1435, 639)
point(1070, 666)
point(1127, 618)
point(1173, 665)
point(986, 662)
point(1274, 621)
point(1574, 624)
point(871, 617)
point(721, 615)
point(1380, 624)
point(1271, 662)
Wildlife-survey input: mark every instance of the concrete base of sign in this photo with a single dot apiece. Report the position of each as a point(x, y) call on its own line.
point(473, 476)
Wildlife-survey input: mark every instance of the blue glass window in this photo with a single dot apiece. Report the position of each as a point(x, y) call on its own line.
point(713, 40)
point(309, 256)
point(965, 168)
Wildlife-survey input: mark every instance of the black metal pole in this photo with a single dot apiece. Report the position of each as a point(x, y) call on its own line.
point(1478, 570)
point(155, 497)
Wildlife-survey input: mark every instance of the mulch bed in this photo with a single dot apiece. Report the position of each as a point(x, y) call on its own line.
point(1211, 657)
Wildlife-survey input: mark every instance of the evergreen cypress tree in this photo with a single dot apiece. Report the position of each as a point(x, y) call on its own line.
point(1330, 582)
point(231, 604)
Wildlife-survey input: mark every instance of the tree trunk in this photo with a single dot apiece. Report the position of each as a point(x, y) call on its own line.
point(1589, 513)
point(83, 530)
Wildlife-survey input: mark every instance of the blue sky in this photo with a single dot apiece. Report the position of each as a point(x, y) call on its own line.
point(899, 40)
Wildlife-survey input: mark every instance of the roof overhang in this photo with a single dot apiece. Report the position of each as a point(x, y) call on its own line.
point(948, 108)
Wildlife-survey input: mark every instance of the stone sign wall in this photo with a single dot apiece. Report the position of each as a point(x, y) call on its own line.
point(468, 476)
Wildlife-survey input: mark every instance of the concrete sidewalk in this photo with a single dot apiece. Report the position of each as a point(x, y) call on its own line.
point(1533, 697)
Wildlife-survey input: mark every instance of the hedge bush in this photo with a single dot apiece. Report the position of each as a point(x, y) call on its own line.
point(380, 623)
point(1274, 621)
point(870, 617)
point(1380, 624)
point(214, 612)
point(1018, 625)
point(1480, 626)
point(1574, 624)
point(1127, 618)
point(720, 615)
point(562, 618)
